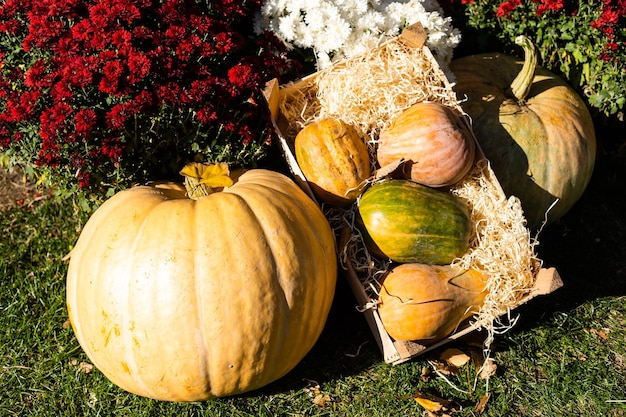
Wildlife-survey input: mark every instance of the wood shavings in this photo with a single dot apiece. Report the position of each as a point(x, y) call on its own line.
point(298, 105)
point(500, 246)
point(369, 268)
point(368, 92)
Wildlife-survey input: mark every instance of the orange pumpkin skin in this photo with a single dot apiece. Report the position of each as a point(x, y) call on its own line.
point(334, 159)
point(542, 147)
point(434, 138)
point(184, 300)
point(426, 303)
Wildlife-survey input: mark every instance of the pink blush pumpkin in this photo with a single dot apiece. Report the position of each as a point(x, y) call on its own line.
point(433, 139)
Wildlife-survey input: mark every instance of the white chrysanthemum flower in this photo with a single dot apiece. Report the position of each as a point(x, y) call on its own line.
point(371, 22)
point(358, 45)
point(334, 35)
point(287, 26)
point(323, 59)
point(338, 29)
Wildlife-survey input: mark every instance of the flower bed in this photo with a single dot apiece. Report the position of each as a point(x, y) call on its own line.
point(101, 94)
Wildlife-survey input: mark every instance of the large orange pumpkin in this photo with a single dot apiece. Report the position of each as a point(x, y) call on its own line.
point(533, 127)
point(180, 299)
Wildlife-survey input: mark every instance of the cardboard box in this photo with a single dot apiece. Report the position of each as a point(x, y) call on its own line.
point(544, 280)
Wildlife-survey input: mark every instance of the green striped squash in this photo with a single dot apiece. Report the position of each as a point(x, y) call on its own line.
point(409, 222)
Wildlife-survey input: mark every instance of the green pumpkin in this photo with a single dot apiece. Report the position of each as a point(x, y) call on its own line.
point(535, 130)
point(409, 222)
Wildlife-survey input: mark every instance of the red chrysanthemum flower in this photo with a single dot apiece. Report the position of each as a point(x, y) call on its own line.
point(507, 7)
point(548, 5)
point(136, 77)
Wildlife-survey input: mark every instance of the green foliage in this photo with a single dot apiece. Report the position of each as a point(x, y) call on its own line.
point(584, 41)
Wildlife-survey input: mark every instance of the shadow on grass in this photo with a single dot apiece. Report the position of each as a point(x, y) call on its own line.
point(588, 246)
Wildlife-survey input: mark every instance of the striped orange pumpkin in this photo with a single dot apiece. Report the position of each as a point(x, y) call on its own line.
point(334, 159)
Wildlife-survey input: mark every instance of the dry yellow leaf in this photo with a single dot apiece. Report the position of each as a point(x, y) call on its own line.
point(489, 369)
point(454, 357)
point(201, 179)
point(480, 406)
point(603, 333)
point(84, 367)
point(321, 399)
point(431, 403)
point(443, 368)
point(317, 396)
point(213, 175)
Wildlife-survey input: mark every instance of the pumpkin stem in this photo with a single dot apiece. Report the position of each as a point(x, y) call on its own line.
point(520, 87)
point(202, 179)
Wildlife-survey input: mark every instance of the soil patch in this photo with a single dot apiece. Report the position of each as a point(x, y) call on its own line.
point(17, 189)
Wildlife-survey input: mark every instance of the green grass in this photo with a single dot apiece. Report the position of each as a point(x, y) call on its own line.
point(565, 357)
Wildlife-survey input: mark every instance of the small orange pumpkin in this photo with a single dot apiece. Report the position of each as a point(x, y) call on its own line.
point(426, 303)
point(439, 146)
point(334, 159)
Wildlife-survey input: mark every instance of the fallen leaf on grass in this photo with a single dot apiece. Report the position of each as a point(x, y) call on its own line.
point(454, 357)
point(84, 367)
point(93, 399)
point(432, 403)
point(449, 361)
point(443, 368)
point(317, 396)
point(603, 333)
point(321, 399)
point(488, 369)
point(480, 406)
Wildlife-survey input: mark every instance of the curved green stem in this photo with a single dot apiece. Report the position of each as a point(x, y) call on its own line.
point(520, 87)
